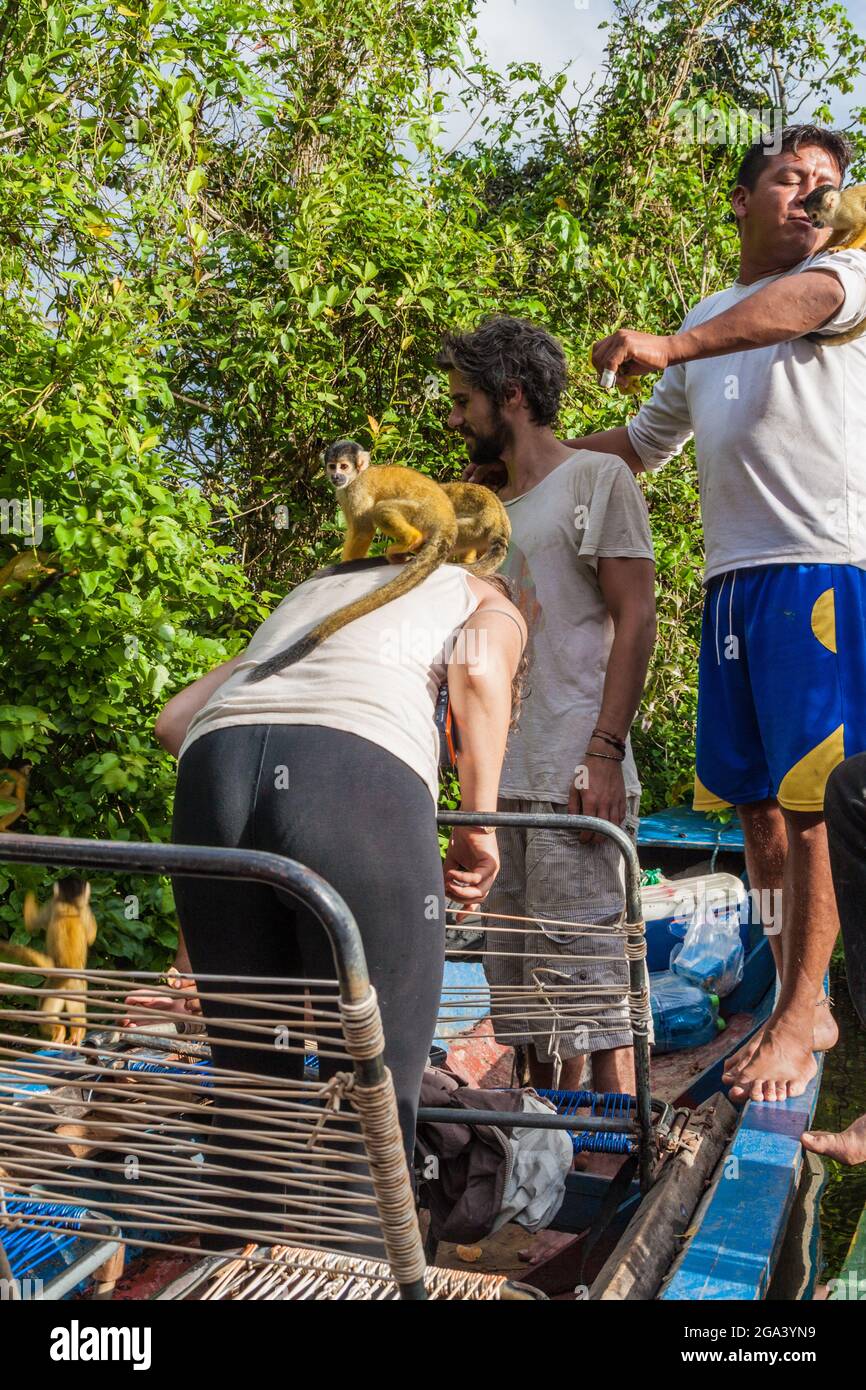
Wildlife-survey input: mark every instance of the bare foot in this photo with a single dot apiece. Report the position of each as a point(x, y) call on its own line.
point(544, 1245)
point(848, 1147)
point(825, 1036)
point(782, 1065)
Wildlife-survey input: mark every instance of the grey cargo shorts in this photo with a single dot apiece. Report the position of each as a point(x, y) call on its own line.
point(565, 992)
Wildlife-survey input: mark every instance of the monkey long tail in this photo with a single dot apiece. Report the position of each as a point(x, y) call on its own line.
point(433, 553)
point(837, 339)
point(491, 559)
point(23, 955)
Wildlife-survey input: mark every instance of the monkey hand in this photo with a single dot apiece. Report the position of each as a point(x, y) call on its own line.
point(471, 865)
point(492, 475)
point(628, 355)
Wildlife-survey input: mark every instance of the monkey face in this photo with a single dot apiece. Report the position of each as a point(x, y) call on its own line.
point(344, 460)
point(821, 204)
point(341, 471)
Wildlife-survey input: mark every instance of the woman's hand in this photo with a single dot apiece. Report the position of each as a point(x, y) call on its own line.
point(492, 475)
point(178, 996)
point(471, 865)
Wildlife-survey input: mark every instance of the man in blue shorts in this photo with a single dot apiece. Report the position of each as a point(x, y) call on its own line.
point(779, 423)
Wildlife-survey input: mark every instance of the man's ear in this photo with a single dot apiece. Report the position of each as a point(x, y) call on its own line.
point(363, 460)
point(514, 394)
point(740, 201)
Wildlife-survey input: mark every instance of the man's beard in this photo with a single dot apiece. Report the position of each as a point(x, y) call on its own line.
point(489, 448)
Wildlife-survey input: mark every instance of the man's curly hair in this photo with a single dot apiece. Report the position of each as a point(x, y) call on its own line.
point(504, 351)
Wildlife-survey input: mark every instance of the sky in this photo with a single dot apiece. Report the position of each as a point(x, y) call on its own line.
point(551, 32)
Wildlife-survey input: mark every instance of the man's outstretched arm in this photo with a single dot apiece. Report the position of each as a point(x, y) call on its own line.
point(785, 309)
point(614, 441)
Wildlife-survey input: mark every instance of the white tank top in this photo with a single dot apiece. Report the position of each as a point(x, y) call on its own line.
point(378, 677)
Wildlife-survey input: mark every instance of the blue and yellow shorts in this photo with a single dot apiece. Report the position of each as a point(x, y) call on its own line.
point(782, 683)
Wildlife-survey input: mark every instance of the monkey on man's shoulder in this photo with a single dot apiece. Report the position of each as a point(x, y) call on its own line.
point(845, 211)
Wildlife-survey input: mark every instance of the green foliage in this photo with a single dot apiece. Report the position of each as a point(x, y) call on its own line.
point(231, 230)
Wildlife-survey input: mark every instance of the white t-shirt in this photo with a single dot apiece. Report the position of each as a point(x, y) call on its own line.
point(378, 677)
point(589, 507)
point(780, 435)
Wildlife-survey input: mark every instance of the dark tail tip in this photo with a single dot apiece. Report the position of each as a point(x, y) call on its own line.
point(281, 660)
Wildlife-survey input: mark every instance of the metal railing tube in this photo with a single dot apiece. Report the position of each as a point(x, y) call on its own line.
point(635, 936)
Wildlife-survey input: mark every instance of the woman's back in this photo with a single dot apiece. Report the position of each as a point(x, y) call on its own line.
point(377, 678)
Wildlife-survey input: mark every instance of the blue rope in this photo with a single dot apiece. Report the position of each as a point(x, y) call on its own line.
point(28, 1249)
point(141, 1064)
point(608, 1105)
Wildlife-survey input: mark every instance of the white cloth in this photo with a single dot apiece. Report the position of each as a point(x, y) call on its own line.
point(540, 1162)
point(378, 677)
point(588, 508)
point(779, 435)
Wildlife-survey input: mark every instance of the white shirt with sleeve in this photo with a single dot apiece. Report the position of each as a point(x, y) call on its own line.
point(378, 677)
point(589, 507)
point(780, 434)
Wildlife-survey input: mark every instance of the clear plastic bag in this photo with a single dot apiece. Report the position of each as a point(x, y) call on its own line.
point(711, 953)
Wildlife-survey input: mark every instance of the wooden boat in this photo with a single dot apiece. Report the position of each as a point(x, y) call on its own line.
point(735, 1233)
point(727, 1241)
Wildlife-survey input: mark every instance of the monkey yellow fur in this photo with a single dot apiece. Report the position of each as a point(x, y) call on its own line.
point(408, 506)
point(70, 928)
point(483, 528)
point(845, 211)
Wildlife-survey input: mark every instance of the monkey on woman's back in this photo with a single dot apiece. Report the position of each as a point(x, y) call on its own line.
point(419, 515)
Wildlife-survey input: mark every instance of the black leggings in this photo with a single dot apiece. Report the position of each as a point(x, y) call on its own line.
point(845, 811)
point(366, 822)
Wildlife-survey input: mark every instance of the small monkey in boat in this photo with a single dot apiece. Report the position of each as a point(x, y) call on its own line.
point(483, 528)
point(408, 506)
point(845, 211)
point(70, 928)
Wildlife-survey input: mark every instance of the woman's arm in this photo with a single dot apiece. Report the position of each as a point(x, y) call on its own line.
point(173, 722)
point(480, 674)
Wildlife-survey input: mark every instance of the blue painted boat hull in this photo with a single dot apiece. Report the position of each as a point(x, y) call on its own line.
point(734, 1250)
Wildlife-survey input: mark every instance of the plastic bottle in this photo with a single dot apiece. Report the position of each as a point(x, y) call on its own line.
point(683, 1015)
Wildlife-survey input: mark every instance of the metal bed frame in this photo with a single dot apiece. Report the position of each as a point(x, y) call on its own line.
point(355, 990)
point(641, 1129)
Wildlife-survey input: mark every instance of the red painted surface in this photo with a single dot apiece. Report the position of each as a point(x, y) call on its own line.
point(477, 1059)
point(151, 1272)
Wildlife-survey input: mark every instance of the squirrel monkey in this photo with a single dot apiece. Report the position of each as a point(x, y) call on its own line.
point(845, 211)
point(483, 527)
point(70, 927)
point(408, 506)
